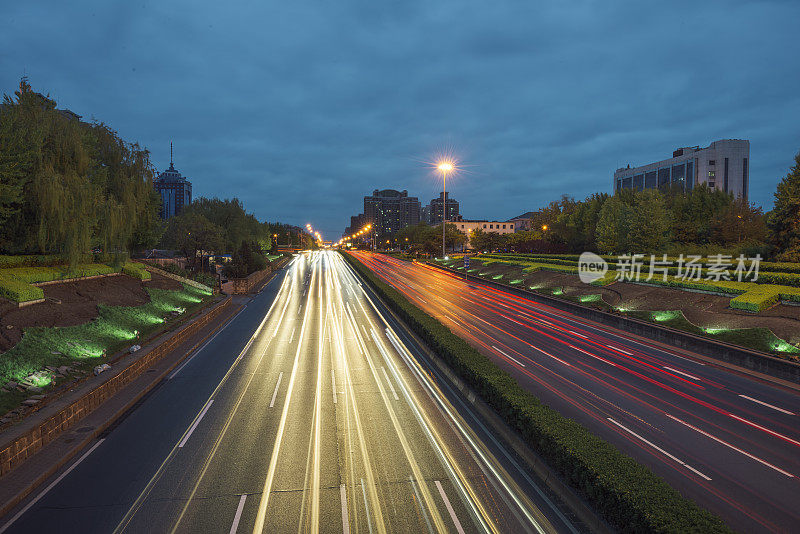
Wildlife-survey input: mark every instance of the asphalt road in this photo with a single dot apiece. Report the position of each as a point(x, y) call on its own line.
point(726, 440)
point(311, 411)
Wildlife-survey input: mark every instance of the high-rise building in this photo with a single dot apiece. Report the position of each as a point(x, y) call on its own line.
point(389, 211)
point(435, 209)
point(723, 165)
point(175, 190)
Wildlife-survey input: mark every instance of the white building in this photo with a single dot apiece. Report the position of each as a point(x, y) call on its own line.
point(468, 226)
point(723, 165)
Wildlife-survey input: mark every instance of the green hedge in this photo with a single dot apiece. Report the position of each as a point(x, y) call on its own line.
point(17, 291)
point(757, 299)
point(29, 261)
point(33, 275)
point(136, 270)
point(627, 494)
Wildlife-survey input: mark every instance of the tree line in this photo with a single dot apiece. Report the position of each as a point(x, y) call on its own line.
point(700, 221)
point(70, 187)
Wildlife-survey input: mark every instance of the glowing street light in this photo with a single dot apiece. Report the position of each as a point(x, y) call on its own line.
point(444, 167)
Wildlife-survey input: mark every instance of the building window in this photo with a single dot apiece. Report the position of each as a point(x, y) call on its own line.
point(663, 177)
point(712, 162)
point(650, 180)
point(711, 174)
point(491, 227)
point(504, 227)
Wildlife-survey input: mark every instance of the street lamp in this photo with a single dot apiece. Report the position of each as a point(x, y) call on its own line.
point(444, 167)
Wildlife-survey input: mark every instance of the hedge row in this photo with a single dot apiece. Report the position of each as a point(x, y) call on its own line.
point(33, 275)
point(29, 261)
point(627, 494)
point(17, 291)
point(136, 270)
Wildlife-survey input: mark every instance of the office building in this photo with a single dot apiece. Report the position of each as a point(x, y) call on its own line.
point(175, 190)
point(389, 211)
point(435, 209)
point(723, 165)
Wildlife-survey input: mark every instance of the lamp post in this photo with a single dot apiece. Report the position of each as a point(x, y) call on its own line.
point(444, 167)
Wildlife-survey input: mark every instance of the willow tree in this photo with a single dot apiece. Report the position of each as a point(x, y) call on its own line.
point(69, 186)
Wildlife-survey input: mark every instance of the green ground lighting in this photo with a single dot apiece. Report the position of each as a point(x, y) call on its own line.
point(558, 291)
point(591, 298)
point(663, 316)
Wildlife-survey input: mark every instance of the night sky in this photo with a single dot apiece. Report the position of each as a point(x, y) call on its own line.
point(301, 108)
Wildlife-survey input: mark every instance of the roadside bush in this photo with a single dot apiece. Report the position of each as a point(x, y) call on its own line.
point(29, 261)
point(628, 495)
point(33, 275)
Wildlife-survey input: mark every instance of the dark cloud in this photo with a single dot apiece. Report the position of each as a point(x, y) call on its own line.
point(301, 108)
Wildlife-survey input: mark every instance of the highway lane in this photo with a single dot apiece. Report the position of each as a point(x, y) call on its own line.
point(309, 413)
point(728, 441)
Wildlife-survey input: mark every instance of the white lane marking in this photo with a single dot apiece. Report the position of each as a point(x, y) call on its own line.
point(577, 334)
point(238, 516)
point(421, 506)
point(509, 356)
point(333, 384)
point(449, 508)
point(422, 299)
point(292, 336)
point(51, 486)
point(345, 516)
point(766, 404)
point(659, 449)
point(687, 375)
point(620, 350)
point(196, 422)
point(390, 383)
point(198, 351)
point(765, 429)
point(594, 356)
point(364, 328)
point(275, 393)
point(366, 506)
point(759, 460)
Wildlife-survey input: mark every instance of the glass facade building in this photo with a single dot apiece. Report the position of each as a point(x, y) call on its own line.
point(721, 165)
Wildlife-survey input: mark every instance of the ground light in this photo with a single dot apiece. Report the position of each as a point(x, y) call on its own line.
point(663, 316)
point(591, 298)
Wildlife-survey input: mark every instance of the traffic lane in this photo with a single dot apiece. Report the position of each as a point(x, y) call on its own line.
point(672, 374)
point(406, 470)
point(192, 492)
point(711, 374)
point(92, 496)
point(491, 493)
point(513, 369)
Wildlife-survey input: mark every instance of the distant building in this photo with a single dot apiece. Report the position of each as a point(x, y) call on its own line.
point(389, 211)
point(467, 226)
point(723, 165)
point(435, 209)
point(522, 222)
point(175, 190)
point(357, 222)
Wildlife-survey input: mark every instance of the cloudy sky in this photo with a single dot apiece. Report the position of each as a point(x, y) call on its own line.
point(301, 108)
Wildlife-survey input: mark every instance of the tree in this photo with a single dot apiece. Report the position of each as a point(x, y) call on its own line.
point(634, 222)
point(67, 186)
point(195, 236)
point(784, 221)
point(484, 241)
point(740, 221)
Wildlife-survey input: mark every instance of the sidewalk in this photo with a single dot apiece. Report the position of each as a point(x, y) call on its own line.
point(37, 468)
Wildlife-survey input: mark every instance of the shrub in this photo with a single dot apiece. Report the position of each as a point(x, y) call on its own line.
point(17, 291)
point(757, 299)
point(136, 270)
point(627, 494)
